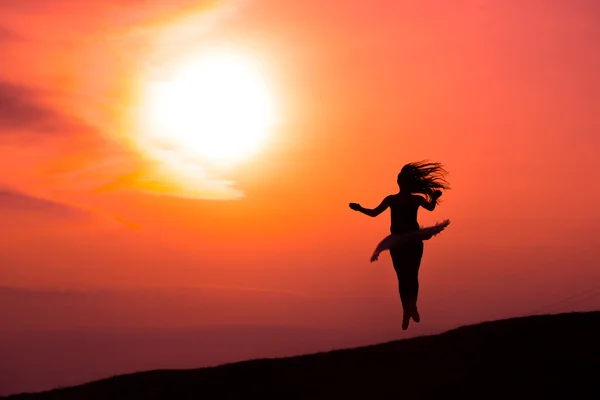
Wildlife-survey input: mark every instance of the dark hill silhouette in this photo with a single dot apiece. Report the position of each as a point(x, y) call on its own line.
point(548, 356)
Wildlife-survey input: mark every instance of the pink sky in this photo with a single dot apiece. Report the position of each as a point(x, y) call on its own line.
point(505, 93)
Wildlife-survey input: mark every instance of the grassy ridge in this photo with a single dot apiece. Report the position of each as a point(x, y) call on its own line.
point(529, 357)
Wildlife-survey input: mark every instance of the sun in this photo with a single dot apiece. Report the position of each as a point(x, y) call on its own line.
point(215, 107)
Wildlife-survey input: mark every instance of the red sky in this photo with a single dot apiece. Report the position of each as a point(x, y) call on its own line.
point(505, 93)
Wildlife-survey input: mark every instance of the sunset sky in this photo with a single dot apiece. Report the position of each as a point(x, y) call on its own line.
point(106, 229)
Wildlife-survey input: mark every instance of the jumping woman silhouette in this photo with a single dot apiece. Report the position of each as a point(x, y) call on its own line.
point(420, 185)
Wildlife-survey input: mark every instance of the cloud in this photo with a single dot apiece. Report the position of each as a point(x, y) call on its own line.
point(20, 206)
point(22, 110)
point(75, 157)
point(193, 183)
point(11, 200)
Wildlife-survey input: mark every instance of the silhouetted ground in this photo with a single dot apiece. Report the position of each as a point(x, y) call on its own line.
point(536, 357)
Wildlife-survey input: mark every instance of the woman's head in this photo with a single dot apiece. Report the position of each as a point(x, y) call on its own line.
point(423, 177)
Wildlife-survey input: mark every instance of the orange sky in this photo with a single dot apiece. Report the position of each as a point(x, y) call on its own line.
point(505, 93)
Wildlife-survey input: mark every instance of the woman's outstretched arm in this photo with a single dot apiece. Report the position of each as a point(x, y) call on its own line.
point(371, 212)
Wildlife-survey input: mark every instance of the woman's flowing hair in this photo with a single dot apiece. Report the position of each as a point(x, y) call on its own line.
point(424, 177)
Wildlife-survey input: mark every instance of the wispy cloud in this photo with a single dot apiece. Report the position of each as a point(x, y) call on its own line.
point(23, 110)
point(12, 200)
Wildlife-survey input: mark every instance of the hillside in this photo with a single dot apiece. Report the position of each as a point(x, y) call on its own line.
point(528, 357)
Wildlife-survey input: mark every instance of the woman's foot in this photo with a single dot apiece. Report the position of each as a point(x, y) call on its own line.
point(415, 315)
point(405, 321)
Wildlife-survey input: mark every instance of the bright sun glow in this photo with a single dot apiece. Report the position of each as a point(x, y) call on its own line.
point(216, 108)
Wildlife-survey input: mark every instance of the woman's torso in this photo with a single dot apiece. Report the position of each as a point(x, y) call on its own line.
point(403, 210)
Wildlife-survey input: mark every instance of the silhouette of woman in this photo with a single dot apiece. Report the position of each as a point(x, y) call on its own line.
point(420, 185)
